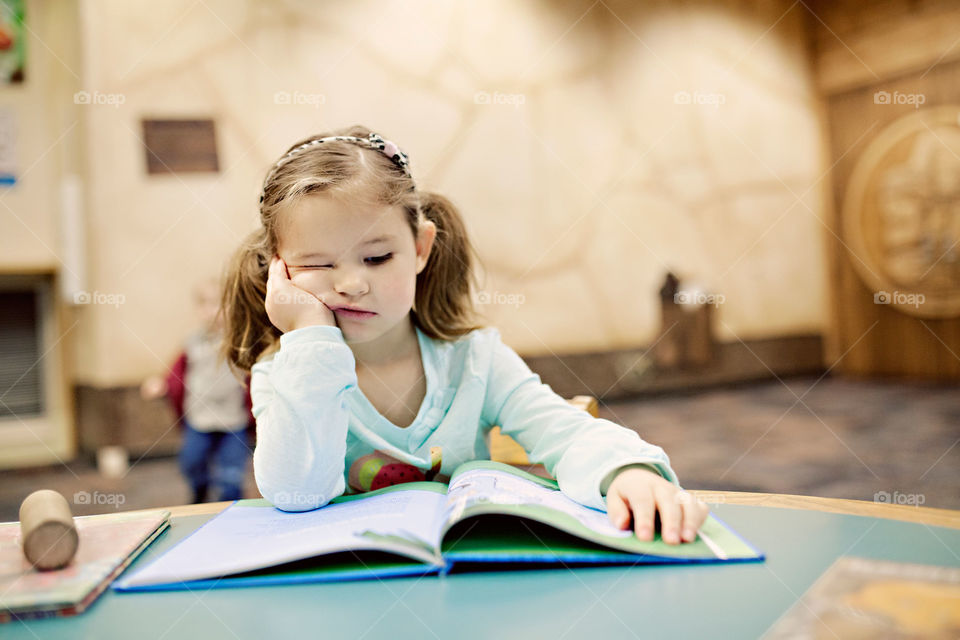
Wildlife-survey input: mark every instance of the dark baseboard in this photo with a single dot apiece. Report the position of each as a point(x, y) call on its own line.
point(626, 373)
point(119, 416)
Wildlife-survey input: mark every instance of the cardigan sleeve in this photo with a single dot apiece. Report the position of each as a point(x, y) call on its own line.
point(176, 385)
point(580, 451)
point(301, 419)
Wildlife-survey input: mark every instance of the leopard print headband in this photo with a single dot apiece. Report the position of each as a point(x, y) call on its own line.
point(373, 141)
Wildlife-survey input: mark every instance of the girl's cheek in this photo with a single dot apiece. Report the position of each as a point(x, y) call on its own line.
point(405, 288)
point(308, 280)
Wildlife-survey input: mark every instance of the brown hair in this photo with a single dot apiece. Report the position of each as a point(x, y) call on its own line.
point(443, 303)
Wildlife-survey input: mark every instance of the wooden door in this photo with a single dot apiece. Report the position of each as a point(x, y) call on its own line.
point(894, 240)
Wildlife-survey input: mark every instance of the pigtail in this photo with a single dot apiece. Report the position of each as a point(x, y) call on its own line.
point(248, 333)
point(443, 307)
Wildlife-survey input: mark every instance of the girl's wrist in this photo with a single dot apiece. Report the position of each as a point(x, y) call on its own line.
point(308, 323)
point(310, 332)
point(311, 321)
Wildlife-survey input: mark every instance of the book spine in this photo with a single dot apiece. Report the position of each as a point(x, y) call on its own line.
point(446, 567)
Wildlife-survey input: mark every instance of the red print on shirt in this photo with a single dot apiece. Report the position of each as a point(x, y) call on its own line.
point(379, 469)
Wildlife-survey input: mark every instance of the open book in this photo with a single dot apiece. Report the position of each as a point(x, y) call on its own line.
point(489, 513)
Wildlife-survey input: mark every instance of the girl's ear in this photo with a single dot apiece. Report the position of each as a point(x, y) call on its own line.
point(425, 237)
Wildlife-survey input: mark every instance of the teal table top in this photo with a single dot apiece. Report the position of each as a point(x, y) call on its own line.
point(715, 600)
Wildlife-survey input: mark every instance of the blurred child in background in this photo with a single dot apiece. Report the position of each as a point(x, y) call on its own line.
point(211, 404)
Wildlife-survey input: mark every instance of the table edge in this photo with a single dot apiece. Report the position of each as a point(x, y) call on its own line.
point(922, 515)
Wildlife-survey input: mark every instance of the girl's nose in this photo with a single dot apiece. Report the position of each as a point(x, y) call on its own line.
point(351, 284)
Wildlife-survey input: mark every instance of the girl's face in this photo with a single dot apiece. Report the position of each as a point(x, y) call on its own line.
point(355, 255)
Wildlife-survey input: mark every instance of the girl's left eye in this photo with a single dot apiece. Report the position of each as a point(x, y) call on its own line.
point(380, 259)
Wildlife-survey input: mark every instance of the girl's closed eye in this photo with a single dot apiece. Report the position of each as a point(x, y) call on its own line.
point(307, 267)
point(377, 260)
point(380, 259)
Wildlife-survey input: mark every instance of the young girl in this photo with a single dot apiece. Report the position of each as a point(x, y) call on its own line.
point(351, 307)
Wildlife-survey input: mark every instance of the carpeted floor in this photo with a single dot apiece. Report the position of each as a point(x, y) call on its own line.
point(836, 438)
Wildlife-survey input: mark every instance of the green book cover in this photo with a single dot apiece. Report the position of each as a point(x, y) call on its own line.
point(489, 513)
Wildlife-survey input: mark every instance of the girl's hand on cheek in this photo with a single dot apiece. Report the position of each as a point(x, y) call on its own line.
point(288, 306)
point(643, 493)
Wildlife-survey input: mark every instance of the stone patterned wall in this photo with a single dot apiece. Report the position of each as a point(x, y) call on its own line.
point(591, 146)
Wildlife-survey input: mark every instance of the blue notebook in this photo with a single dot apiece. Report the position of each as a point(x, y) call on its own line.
point(489, 516)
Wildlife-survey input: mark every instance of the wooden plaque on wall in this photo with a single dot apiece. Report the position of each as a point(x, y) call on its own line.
point(180, 146)
point(894, 234)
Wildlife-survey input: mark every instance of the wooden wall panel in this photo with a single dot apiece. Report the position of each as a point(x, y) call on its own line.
point(857, 43)
point(876, 338)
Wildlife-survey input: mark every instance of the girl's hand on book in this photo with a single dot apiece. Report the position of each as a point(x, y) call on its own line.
point(643, 492)
point(288, 306)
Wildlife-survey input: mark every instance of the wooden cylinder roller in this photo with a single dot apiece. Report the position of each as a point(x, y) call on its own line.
point(47, 532)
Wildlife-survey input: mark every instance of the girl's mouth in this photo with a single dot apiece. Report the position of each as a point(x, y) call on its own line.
point(353, 315)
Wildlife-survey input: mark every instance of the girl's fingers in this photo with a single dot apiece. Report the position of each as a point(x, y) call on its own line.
point(272, 277)
point(704, 513)
point(618, 510)
point(642, 506)
point(691, 516)
point(277, 269)
point(670, 513)
point(695, 512)
point(276, 273)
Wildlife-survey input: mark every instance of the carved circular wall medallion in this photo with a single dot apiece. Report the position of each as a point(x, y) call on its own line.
point(901, 214)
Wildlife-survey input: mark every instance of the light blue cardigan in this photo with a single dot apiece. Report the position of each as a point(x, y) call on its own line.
point(314, 423)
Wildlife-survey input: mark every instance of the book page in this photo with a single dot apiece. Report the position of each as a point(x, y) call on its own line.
point(479, 488)
point(486, 486)
point(244, 538)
